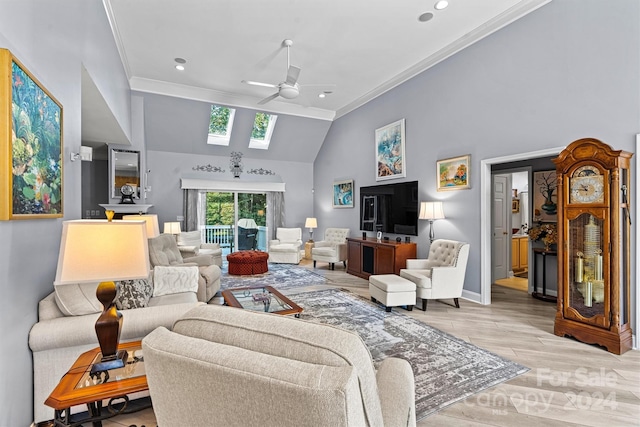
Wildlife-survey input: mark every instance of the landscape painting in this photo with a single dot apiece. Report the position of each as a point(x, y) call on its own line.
point(453, 173)
point(390, 151)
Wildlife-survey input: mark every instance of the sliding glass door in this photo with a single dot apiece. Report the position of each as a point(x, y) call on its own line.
point(236, 220)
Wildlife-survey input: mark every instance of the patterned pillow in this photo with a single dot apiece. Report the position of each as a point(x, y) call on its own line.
point(133, 294)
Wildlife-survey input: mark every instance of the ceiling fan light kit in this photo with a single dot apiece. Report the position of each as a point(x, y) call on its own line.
point(289, 88)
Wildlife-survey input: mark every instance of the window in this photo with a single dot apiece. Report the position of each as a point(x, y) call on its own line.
point(220, 124)
point(262, 130)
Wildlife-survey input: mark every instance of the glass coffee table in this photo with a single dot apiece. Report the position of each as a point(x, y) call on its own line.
point(261, 298)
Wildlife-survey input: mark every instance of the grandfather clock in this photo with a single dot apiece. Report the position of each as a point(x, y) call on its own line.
point(593, 250)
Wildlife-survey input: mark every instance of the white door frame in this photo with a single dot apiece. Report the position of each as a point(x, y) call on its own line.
point(485, 213)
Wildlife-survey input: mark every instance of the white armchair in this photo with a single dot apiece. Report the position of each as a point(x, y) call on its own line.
point(190, 245)
point(442, 274)
point(286, 247)
point(333, 248)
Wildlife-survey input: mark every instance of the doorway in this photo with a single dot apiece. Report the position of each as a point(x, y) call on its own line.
point(511, 216)
point(486, 214)
point(236, 220)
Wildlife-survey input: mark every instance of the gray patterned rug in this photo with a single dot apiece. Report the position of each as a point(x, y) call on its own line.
point(446, 369)
point(280, 276)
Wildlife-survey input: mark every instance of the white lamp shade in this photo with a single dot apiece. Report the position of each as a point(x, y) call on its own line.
point(99, 250)
point(172, 228)
point(431, 210)
point(311, 223)
point(153, 229)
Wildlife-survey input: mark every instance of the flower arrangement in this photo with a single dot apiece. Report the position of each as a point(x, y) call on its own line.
point(547, 233)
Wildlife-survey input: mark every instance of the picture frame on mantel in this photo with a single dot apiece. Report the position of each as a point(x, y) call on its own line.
point(343, 194)
point(453, 173)
point(31, 177)
point(390, 148)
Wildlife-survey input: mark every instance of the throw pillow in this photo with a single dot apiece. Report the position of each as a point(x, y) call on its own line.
point(133, 294)
point(173, 280)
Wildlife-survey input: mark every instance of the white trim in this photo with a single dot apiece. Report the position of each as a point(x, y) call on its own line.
point(247, 187)
point(485, 213)
point(634, 208)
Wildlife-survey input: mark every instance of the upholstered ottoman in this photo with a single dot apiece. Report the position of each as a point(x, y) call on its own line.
point(392, 291)
point(248, 262)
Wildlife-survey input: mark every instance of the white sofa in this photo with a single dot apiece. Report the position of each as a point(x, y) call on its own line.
point(285, 248)
point(66, 329)
point(229, 367)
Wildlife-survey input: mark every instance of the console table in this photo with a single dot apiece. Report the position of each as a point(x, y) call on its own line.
point(371, 256)
point(545, 254)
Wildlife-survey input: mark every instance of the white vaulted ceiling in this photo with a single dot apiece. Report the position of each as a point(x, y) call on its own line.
point(362, 47)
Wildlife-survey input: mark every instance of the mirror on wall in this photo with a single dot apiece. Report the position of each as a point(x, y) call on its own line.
point(125, 169)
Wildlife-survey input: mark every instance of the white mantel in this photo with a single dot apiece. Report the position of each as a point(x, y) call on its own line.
point(129, 208)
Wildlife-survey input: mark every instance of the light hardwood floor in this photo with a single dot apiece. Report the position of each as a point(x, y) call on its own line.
point(569, 383)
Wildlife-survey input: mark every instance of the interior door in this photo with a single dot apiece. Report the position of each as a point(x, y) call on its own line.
point(501, 209)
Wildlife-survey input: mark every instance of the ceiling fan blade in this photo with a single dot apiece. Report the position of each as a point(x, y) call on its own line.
point(292, 75)
point(251, 82)
point(268, 98)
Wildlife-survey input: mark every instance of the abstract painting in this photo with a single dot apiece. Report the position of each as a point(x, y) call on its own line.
point(343, 194)
point(390, 151)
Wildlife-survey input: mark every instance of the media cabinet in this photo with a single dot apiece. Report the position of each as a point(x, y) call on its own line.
point(371, 256)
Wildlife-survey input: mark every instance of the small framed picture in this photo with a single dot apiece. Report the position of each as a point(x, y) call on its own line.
point(515, 206)
point(453, 173)
point(343, 194)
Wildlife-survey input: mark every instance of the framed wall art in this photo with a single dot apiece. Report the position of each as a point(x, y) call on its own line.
point(545, 196)
point(30, 145)
point(343, 194)
point(390, 143)
point(453, 173)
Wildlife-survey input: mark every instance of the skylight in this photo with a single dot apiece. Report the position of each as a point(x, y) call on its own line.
point(263, 126)
point(220, 125)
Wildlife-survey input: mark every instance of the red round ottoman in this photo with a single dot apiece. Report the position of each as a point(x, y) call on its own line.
point(248, 262)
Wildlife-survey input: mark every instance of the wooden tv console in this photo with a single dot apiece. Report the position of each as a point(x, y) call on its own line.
point(371, 256)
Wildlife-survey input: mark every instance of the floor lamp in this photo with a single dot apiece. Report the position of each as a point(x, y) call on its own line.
point(104, 251)
point(431, 211)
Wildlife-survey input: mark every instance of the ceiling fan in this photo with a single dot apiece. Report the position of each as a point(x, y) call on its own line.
point(289, 88)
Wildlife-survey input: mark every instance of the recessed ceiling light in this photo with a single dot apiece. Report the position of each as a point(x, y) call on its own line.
point(179, 62)
point(425, 17)
point(442, 4)
point(322, 95)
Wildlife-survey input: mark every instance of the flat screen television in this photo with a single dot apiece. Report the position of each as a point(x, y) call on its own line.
point(390, 208)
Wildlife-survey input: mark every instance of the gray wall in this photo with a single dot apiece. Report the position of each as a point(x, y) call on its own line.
point(168, 168)
point(53, 40)
point(566, 71)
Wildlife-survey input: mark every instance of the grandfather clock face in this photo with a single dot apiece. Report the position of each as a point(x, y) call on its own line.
point(586, 185)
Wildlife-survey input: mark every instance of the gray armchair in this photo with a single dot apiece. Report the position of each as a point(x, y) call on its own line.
point(333, 248)
point(190, 244)
point(163, 250)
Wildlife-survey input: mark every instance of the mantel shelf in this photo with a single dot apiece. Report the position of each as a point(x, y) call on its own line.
point(126, 208)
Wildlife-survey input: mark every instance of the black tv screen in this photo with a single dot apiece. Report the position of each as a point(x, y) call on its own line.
point(390, 208)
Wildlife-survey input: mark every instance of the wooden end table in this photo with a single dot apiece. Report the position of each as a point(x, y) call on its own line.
point(79, 387)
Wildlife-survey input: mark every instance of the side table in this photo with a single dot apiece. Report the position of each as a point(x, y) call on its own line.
point(545, 254)
point(307, 249)
point(80, 387)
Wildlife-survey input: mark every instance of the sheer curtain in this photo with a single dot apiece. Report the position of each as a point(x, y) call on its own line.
point(275, 212)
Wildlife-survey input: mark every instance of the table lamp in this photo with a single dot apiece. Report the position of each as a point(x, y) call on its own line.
point(104, 251)
point(153, 229)
point(172, 228)
point(431, 211)
point(311, 223)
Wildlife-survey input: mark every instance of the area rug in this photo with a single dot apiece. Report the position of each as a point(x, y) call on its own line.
point(280, 276)
point(446, 369)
